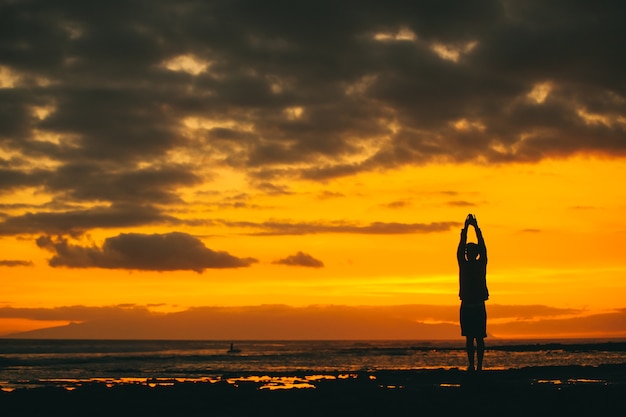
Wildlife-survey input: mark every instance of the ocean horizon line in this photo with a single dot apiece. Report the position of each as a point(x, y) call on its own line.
point(494, 341)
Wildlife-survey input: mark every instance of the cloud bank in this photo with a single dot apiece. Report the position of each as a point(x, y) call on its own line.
point(112, 110)
point(15, 262)
point(376, 228)
point(301, 259)
point(321, 322)
point(262, 89)
point(157, 252)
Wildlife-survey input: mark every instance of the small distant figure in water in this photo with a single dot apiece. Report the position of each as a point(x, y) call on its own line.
point(472, 259)
point(233, 350)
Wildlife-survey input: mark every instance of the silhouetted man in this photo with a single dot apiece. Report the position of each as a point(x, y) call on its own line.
point(472, 259)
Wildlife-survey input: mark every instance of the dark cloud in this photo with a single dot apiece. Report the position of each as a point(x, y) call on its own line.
point(12, 178)
point(398, 204)
point(104, 94)
point(154, 252)
point(86, 182)
point(301, 259)
point(77, 221)
point(376, 228)
point(325, 195)
point(461, 203)
point(273, 189)
point(15, 262)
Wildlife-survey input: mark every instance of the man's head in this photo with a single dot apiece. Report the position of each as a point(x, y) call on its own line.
point(471, 251)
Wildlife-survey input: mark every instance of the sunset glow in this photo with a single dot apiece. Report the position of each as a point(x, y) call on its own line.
point(169, 175)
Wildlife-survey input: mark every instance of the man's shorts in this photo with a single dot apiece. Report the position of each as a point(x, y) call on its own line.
point(473, 319)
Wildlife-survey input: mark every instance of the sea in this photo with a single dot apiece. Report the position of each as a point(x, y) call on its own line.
point(281, 364)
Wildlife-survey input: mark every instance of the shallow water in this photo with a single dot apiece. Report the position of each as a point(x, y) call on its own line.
point(67, 362)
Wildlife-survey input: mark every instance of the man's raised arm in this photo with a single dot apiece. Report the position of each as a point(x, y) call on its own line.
point(460, 251)
point(482, 248)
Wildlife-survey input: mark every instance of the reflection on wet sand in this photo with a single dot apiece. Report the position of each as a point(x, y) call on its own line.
point(571, 381)
point(260, 381)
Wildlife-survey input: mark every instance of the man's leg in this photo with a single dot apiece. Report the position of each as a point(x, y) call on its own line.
point(469, 347)
point(480, 348)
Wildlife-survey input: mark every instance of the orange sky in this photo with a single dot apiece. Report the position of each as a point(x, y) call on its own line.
point(560, 249)
point(160, 171)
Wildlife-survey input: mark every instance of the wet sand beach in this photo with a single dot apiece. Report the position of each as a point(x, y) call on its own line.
point(532, 391)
